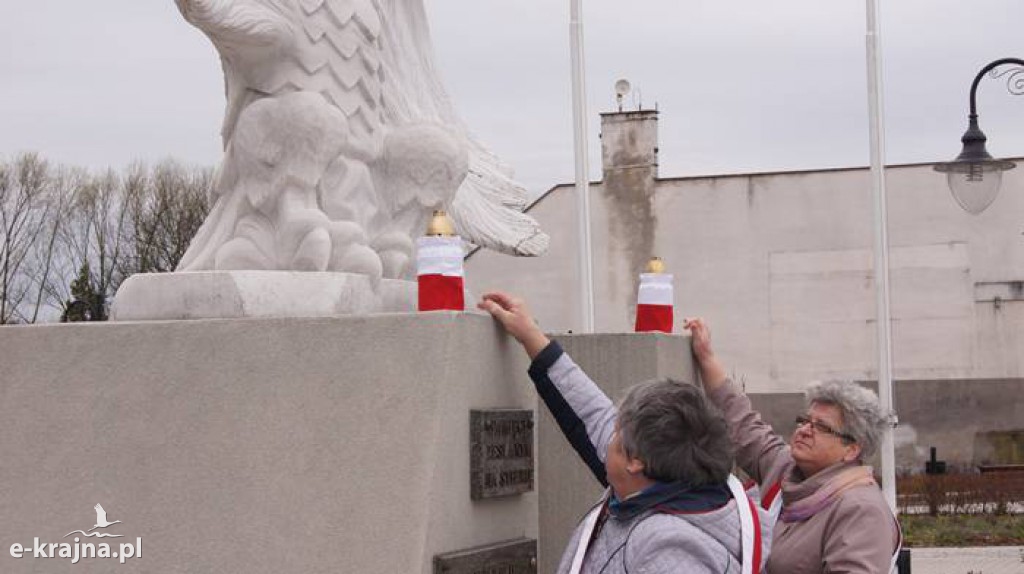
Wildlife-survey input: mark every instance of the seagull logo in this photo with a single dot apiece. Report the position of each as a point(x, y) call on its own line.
point(101, 519)
point(101, 522)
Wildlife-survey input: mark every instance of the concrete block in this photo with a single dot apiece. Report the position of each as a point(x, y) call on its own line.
point(238, 294)
point(257, 445)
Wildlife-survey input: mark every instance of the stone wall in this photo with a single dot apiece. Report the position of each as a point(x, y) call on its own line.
point(257, 446)
point(781, 265)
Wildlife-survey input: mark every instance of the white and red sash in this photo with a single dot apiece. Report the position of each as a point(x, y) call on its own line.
point(587, 535)
point(750, 529)
point(771, 501)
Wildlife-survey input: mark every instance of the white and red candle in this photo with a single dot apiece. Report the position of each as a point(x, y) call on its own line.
point(440, 273)
point(654, 303)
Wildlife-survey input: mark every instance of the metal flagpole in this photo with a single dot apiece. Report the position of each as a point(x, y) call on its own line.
point(579, 112)
point(875, 112)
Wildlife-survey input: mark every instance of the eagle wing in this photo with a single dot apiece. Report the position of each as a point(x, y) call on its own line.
point(488, 206)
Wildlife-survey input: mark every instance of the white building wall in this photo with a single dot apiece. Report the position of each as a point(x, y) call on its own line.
point(781, 266)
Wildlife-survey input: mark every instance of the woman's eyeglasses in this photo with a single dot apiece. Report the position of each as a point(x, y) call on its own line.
point(821, 427)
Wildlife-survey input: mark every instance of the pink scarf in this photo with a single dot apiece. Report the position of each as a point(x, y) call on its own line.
point(828, 493)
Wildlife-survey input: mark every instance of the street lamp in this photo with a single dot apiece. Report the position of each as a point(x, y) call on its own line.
point(974, 176)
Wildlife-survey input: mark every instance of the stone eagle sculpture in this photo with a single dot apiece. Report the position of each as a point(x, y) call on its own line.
point(339, 140)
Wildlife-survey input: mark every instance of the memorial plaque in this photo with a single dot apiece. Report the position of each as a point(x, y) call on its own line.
point(517, 556)
point(500, 452)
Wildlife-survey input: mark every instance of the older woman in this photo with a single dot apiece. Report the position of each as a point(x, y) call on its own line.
point(665, 455)
point(833, 516)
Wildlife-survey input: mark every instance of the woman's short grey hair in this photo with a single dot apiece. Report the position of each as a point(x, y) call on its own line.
point(863, 417)
point(676, 432)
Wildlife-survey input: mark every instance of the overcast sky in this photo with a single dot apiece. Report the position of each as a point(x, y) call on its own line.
point(742, 85)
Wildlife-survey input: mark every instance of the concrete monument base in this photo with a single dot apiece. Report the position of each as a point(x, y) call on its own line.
point(257, 446)
point(238, 294)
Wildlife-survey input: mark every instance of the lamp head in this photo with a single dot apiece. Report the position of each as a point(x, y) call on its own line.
point(974, 177)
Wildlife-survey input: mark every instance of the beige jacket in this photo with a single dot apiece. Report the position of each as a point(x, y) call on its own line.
point(855, 534)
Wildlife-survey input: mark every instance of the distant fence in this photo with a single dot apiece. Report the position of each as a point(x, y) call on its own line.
point(996, 489)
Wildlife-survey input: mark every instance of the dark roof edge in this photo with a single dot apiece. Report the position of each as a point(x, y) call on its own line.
point(805, 171)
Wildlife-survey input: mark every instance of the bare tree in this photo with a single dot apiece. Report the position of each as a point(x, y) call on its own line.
point(23, 212)
point(70, 238)
point(166, 209)
point(64, 184)
point(93, 238)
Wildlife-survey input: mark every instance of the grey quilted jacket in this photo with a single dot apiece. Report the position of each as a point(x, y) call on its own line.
point(650, 541)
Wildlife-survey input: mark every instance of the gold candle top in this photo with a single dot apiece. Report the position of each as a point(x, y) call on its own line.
point(655, 265)
point(441, 225)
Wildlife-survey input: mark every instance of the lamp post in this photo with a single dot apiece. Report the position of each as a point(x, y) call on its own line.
point(974, 176)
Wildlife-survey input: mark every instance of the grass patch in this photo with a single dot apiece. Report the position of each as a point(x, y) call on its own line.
point(921, 530)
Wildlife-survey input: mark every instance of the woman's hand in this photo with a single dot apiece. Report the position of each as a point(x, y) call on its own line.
point(701, 339)
point(712, 372)
point(515, 317)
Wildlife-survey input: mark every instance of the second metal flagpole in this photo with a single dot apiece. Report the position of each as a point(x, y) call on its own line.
point(579, 113)
point(884, 327)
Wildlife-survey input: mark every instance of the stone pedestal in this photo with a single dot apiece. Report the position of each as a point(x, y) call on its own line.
point(238, 294)
point(259, 446)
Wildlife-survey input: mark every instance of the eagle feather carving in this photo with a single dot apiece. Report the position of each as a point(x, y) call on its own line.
point(339, 140)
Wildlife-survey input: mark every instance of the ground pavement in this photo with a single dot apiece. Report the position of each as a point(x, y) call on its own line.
point(979, 560)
